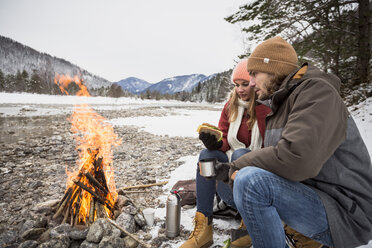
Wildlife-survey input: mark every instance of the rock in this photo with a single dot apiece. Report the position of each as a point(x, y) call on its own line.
point(130, 209)
point(158, 241)
point(111, 242)
point(140, 220)
point(147, 236)
point(61, 229)
point(8, 238)
point(116, 232)
point(29, 244)
point(45, 237)
point(127, 222)
point(130, 243)
point(87, 244)
point(78, 234)
point(75, 244)
point(98, 230)
point(54, 243)
point(27, 225)
point(33, 233)
point(121, 201)
point(41, 221)
point(45, 206)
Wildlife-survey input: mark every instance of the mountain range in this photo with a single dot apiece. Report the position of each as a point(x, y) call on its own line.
point(166, 86)
point(16, 58)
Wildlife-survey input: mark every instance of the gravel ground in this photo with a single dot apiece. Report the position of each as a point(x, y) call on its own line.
point(35, 151)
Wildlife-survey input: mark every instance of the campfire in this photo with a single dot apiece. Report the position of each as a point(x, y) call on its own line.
point(90, 188)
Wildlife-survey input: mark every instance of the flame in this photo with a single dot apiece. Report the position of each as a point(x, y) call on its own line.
point(95, 139)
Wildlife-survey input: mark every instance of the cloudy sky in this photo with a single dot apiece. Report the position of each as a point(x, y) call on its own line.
point(116, 39)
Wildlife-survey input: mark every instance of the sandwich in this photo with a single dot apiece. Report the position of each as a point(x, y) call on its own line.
point(213, 130)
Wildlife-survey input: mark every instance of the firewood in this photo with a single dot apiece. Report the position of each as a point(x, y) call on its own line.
point(60, 209)
point(129, 234)
point(94, 181)
point(64, 197)
point(135, 191)
point(77, 210)
point(66, 214)
point(91, 211)
point(144, 185)
point(94, 194)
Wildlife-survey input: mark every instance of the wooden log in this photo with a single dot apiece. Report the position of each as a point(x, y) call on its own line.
point(60, 209)
point(97, 163)
point(144, 185)
point(67, 213)
point(94, 181)
point(97, 196)
point(64, 197)
point(77, 210)
point(70, 203)
point(136, 191)
point(91, 211)
point(98, 210)
point(129, 234)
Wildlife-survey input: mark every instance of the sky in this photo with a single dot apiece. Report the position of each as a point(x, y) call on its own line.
point(116, 39)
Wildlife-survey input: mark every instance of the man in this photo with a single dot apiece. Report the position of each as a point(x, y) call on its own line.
point(315, 173)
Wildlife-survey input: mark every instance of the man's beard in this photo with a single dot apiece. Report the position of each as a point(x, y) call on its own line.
point(264, 96)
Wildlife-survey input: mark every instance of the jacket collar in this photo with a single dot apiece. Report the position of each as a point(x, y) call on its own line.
point(286, 88)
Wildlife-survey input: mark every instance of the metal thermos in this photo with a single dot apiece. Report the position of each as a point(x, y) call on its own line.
point(173, 215)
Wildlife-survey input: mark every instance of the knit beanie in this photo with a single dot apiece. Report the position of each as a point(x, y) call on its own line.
point(240, 71)
point(274, 55)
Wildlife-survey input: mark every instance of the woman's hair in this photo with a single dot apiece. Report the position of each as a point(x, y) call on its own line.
point(233, 107)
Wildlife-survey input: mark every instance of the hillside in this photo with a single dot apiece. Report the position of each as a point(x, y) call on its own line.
point(16, 57)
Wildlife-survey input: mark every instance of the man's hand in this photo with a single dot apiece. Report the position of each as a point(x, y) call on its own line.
point(232, 174)
point(210, 141)
point(222, 171)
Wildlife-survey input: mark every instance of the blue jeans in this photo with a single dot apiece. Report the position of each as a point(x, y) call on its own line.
point(264, 200)
point(206, 188)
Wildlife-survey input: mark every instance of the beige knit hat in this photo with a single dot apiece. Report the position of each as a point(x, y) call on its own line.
point(240, 71)
point(274, 55)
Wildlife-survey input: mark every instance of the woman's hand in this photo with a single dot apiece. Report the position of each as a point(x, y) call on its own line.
point(210, 141)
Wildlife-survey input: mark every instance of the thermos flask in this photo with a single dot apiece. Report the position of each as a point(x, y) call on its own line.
point(173, 215)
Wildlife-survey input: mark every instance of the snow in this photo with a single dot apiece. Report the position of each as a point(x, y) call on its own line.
point(185, 120)
point(178, 115)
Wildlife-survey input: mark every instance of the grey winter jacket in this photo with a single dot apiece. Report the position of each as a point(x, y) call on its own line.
point(311, 138)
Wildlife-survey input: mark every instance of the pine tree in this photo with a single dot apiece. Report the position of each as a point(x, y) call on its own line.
point(332, 34)
point(35, 84)
point(2, 81)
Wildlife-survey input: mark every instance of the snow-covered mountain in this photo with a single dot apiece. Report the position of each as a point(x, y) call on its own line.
point(177, 84)
point(133, 84)
point(15, 56)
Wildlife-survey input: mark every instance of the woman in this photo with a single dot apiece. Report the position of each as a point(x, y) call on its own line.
point(242, 122)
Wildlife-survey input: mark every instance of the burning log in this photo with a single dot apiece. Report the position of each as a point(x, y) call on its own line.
point(91, 183)
point(91, 190)
point(94, 181)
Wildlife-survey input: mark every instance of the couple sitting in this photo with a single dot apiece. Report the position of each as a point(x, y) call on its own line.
point(297, 158)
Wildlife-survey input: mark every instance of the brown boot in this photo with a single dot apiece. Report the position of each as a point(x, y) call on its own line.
point(240, 237)
point(297, 240)
point(202, 236)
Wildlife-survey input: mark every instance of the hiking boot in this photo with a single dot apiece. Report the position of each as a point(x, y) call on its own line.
point(202, 236)
point(240, 237)
point(297, 240)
